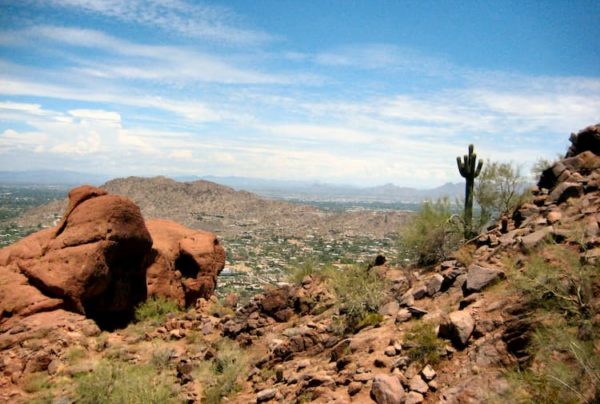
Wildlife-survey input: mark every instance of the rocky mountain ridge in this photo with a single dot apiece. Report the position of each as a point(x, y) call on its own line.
point(222, 210)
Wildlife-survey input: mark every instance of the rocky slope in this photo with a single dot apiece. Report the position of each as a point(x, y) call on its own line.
point(220, 209)
point(474, 329)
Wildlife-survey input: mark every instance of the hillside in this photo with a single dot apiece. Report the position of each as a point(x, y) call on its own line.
point(209, 206)
point(512, 317)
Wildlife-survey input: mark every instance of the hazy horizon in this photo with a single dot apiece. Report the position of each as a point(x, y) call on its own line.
point(356, 93)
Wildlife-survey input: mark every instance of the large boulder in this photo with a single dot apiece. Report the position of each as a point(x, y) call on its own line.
point(386, 389)
point(184, 263)
point(585, 139)
point(91, 263)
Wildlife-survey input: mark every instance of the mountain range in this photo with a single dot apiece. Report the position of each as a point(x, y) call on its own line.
point(280, 189)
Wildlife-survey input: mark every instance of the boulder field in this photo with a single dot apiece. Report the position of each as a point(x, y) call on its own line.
point(102, 259)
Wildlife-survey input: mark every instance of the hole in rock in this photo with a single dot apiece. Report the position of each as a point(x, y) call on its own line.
point(187, 266)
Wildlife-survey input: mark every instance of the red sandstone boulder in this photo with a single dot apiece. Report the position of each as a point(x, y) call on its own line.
point(184, 263)
point(91, 263)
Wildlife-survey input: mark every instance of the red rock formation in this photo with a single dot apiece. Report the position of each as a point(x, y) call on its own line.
point(184, 263)
point(91, 263)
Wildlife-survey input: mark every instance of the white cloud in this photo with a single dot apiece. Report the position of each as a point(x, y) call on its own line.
point(189, 19)
point(146, 62)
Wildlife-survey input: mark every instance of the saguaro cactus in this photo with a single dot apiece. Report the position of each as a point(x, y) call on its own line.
point(469, 168)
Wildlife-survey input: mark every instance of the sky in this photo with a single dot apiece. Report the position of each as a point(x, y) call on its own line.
point(355, 92)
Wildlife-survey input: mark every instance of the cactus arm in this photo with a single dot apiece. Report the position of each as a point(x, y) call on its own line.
point(478, 171)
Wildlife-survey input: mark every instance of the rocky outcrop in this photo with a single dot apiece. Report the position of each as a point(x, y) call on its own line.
point(95, 262)
point(586, 139)
point(184, 263)
point(91, 263)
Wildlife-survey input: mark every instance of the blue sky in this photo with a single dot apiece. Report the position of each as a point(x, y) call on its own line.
point(357, 92)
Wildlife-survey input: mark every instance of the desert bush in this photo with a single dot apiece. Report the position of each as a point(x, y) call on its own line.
point(423, 343)
point(155, 309)
point(35, 382)
point(219, 377)
point(465, 254)
point(565, 366)
point(117, 382)
point(218, 310)
point(499, 189)
point(161, 357)
point(555, 280)
point(432, 234)
point(309, 267)
point(359, 295)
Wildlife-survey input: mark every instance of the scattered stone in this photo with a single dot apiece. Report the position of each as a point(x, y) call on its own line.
point(387, 390)
point(417, 384)
point(403, 315)
point(266, 395)
point(434, 284)
point(417, 312)
point(478, 277)
point(554, 216)
point(419, 292)
point(564, 191)
point(390, 309)
point(414, 398)
point(428, 373)
point(433, 385)
point(379, 363)
point(390, 351)
point(458, 328)
point(354, 388)
point(530, 241)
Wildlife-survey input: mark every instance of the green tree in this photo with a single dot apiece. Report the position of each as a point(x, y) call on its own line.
point(499, 189)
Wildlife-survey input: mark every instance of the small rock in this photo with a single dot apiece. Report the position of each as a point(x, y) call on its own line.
point(362, 377)
point(379, 363)
point(434, 284)
point(554, 216)
point(266, 395)
point(433, 385)
point(53, 367)
point(414, 398)
point(534, 239)
point(417, 312)
point(428, 373)
point(458, 328)
point(90, 329)
point(479, 277)
point(403, 315)
point(390, 351)
point(387, 390)
point(417, 384)
point(354, 388)
point(398, 347)
point(390, 309)
point(176, 334)
point(564, 191)
point(420, 292)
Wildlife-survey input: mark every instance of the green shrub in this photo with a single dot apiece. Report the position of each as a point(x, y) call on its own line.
point(423, 343)
point(555, 280)
point(565, 366)
point(155, 309)
point(432, 234)
point(359, 295)
point(219, 377)
point(35, 382)
point(117, 382)
point(309, 267)
point(161, 357)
